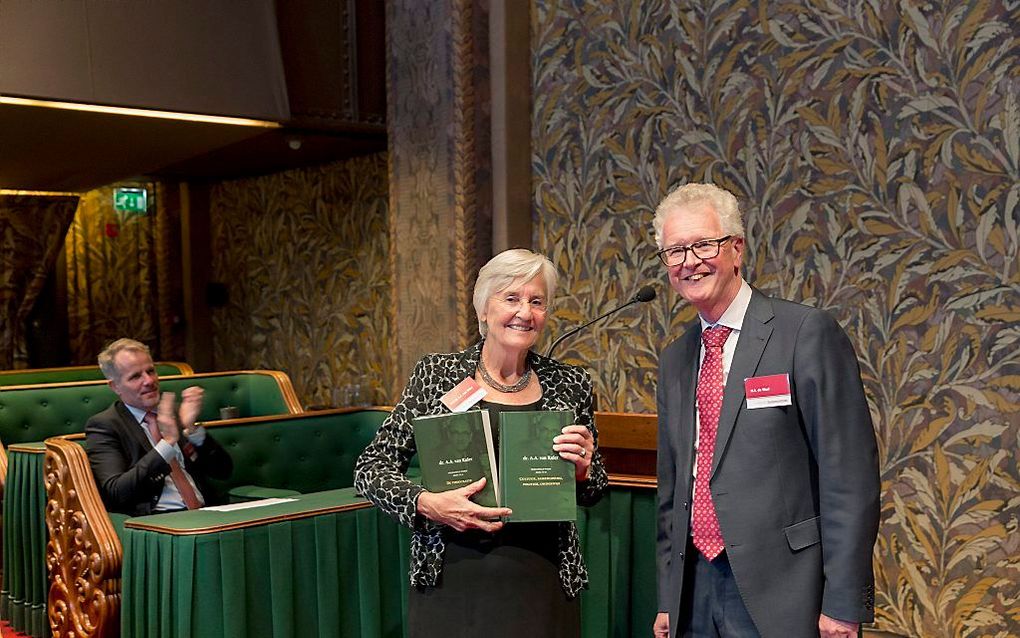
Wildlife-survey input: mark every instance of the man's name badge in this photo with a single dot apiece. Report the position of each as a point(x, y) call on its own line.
point(767, 392)
point(463, 395)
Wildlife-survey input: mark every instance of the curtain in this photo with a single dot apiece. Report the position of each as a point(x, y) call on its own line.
point(32, 229)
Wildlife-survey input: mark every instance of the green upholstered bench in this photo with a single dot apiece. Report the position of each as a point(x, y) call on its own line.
point(313, 452)
point(37, 412)
point(272, 456)
point(33, 413)
point(33, 376)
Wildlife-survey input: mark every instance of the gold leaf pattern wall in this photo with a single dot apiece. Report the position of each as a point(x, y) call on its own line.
point(875, 147)
point(305, 257)
point(112, 288)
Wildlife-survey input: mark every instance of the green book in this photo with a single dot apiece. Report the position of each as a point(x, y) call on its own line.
point(534, 481)
point(455, 450)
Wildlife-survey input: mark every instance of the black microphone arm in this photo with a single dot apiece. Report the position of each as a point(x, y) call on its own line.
point(646, 293)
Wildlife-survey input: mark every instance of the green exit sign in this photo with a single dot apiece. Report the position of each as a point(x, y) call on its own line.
point(130, 200)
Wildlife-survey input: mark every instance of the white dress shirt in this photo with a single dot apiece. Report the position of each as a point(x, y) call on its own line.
point(171, 498)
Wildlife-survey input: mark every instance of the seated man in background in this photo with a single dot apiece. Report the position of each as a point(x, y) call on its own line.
point(147, 456)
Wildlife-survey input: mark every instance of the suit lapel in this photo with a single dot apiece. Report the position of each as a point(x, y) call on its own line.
point(131, 427)
point(754, 335)
point(685, 385)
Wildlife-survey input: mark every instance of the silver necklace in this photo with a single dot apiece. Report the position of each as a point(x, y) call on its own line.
point(517, 387)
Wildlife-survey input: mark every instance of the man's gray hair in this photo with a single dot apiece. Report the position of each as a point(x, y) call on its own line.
point(507, 267)
point(721, 200)
point(110, 352)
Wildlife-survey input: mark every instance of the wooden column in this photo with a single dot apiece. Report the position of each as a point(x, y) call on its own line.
point(440, 198)
point(510, 54)
point(196, 256)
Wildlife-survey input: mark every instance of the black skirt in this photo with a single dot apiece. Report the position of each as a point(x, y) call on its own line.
point(495, 585)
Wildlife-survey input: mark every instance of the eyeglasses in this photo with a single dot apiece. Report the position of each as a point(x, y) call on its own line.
point(512, 301)
point(704, 249)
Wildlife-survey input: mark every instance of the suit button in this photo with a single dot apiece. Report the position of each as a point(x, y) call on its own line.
point(686, 505)
point(681, 555)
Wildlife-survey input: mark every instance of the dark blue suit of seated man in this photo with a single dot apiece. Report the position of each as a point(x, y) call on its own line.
point(147, 455)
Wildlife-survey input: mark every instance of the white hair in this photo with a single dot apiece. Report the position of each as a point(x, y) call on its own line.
point(722, 202)
point(506, 268)
point(106, 358)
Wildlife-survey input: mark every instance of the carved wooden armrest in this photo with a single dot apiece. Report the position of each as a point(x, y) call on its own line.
point(3, 470)
point(83, 555)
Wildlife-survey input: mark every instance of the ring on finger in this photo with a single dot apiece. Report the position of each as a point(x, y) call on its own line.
point(583, 452)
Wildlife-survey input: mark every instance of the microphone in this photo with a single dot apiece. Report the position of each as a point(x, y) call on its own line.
point(645, 294)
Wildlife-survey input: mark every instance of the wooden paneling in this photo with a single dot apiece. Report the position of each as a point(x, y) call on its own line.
point(627, 443)
point(334, 59)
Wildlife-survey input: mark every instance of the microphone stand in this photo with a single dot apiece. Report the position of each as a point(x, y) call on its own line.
point(574, 331)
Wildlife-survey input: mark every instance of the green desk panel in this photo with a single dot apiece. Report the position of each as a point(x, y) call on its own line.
point(23, 597)
point(333, 574)
point(618, 543)
point(339, 574)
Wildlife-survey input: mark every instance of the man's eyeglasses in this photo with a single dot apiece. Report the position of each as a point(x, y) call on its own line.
point(704, 249)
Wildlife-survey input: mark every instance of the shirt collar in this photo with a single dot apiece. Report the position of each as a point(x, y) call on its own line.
point(734, 315)
point(138, 413)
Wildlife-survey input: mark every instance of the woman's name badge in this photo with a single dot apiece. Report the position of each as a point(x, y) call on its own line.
point(768, 391)
point(463, 395)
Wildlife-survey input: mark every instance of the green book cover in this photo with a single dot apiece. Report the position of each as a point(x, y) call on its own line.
point(535, 482)
point(455, 450)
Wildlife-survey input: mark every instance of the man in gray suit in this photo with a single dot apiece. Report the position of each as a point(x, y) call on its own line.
point(767, 464)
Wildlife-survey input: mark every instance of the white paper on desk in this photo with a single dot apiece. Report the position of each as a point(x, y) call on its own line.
point(249, 504)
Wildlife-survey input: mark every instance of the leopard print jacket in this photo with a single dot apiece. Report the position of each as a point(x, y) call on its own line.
point(379, 472)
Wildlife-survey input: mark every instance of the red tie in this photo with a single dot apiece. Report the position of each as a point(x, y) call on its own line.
point(181, 481)
point(704, 524)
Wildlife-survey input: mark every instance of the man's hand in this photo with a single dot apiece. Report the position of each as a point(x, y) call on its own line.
point(832, 628)
point(454, 508)
point(166, 418)
point(660, 629)
point(191, 405)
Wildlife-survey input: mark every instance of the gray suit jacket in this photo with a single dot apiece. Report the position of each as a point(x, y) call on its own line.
point(796, 488)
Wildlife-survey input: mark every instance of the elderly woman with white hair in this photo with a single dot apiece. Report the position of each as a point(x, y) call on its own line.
point(471, 574)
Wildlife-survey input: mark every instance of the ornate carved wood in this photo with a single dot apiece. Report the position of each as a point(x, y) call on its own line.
point(465, 203)
point(83, 554)
point(3, 469)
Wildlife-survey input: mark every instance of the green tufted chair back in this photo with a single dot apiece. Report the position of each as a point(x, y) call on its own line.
point(79, 373)
point(35, 413)
point(308, 452)
point(252, 393)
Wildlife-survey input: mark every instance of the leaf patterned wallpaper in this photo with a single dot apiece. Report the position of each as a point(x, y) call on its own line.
point(875, 147)
point(305, 258)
